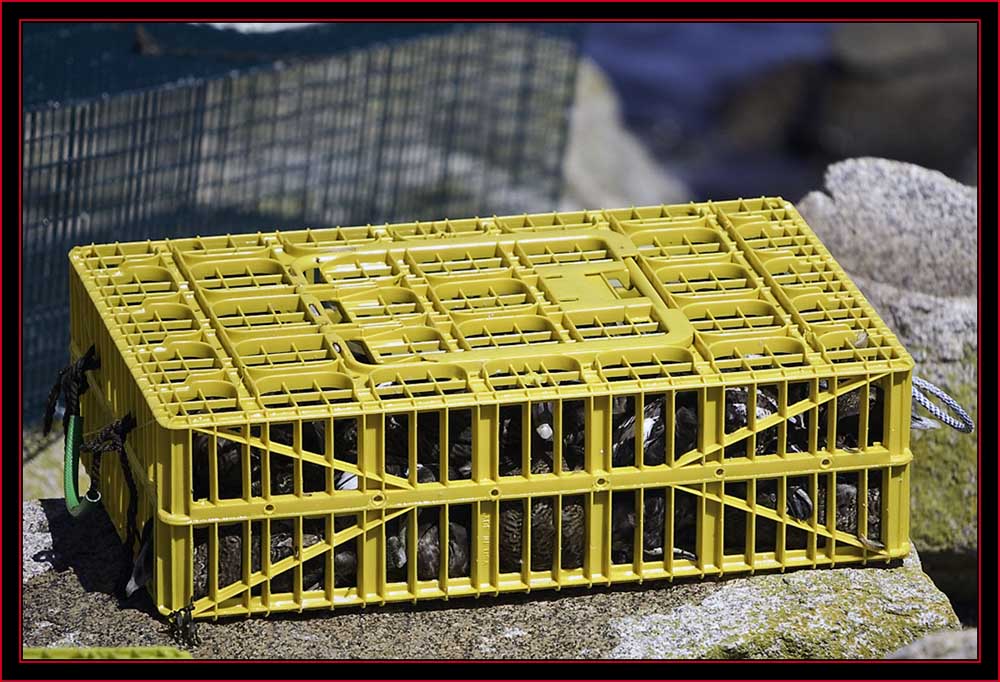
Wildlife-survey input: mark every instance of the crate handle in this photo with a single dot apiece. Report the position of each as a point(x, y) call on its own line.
point(77, 508)
point(966, 425)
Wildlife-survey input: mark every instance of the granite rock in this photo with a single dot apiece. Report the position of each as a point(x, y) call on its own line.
point(899, 224)
point(845, 612)
point(907, 237)
point(948, 644)
point(833, 614)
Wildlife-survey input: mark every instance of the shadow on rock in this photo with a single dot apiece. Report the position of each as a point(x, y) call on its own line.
point(90, 547)
point(955, 574)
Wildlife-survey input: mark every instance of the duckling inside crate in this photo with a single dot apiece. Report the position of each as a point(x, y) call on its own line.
point(281, 479)
point(428, 454)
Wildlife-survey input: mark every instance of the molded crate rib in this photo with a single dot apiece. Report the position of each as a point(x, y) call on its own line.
point(387, 413)
point(105, 652)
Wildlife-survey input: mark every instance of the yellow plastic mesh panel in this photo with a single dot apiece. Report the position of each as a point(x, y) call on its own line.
point(105, 652)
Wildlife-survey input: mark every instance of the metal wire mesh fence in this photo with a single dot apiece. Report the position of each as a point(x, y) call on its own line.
point(468, 121)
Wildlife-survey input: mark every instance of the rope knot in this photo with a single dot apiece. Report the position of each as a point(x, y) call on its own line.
point(71, 383)
point(111, 438)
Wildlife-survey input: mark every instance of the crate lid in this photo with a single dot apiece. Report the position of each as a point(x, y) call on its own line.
point(277, 325)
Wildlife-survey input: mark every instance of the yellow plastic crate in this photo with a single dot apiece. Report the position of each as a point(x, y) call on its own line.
point(105, 652)
point(316, 392)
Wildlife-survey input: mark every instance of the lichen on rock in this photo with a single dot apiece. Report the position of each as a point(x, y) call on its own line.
point(908, 238)
point(940, 333)
point(825, 614)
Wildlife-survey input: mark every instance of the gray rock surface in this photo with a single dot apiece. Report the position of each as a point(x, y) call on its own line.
point(849, 612)
point(908, 238)
point(897, 223)
point(948, 644)
point(37, 541)
point(937, 330)
point(846, 613)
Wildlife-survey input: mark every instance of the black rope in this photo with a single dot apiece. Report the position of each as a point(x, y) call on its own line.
point(50, 406)
point(111, 438)
point(71, 382)
point(133, 504)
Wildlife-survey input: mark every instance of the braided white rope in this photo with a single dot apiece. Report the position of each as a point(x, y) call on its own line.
point(965, 426)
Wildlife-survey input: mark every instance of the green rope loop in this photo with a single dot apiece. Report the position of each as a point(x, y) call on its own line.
point(77, 507)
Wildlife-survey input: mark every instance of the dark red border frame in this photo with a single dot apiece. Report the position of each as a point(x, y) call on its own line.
point(610, 20)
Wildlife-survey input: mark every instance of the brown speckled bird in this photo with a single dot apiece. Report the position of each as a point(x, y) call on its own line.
point(848, 418)
point(460, 445)
point(228, 467)
point(543, 531)
point(544, 436)
point(397, 444)
point(797, 501)
point(847, 513)
point(543, 534)
point(654, 433)
point(799, 507)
